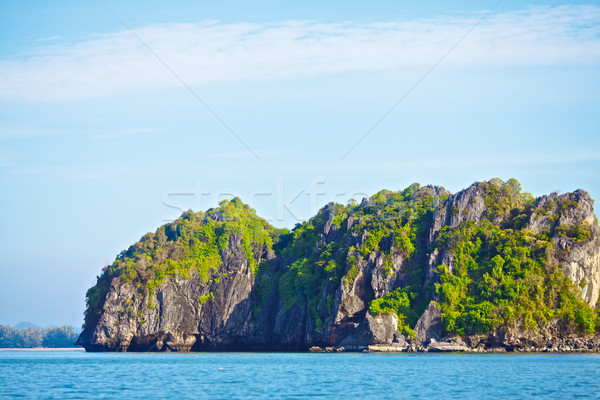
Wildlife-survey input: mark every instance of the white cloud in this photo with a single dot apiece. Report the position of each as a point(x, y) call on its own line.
point(120, 133)
point(245, 154)
point(8, 132)
point(13, 132)
point(7, 158)
point(459, 162)
point(209, 52)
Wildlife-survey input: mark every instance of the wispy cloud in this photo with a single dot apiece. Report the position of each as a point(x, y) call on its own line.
point(211, 52)
point(120, 133)
point(7, 158)
point(84, 172)
point(459, 162)
point(241, 155)
point(20, 132)
point(8, 132)
point(236, 164)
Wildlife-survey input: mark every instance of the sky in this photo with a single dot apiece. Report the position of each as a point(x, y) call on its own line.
point(117, 116)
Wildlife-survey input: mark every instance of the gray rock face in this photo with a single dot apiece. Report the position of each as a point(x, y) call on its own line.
point(429, 325)
point(221, 312)
point(382, 329)
point(182, 314)
point(466, 205)
point(435, 346)
point(579, 260)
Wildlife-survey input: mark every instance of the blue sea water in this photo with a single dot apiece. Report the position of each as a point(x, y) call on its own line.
point(79, 375)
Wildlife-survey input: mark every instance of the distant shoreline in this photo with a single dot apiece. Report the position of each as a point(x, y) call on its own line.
point(42, 349)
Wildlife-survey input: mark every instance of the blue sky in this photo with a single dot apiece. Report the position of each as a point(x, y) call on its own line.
point(107, 133)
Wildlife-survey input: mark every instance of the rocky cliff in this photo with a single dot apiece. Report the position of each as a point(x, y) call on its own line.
point(489, 267)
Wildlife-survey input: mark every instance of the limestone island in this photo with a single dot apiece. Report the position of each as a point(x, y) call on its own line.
point(487, 269)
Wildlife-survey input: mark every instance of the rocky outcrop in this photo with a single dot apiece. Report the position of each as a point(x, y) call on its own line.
point(434, 346)
point(578, 259)
point(182, 314)
point(380, 330)
point(429, 325)
point(225, 311)
point(466, 205)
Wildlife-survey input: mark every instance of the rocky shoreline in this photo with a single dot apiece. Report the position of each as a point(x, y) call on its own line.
point(457, 345)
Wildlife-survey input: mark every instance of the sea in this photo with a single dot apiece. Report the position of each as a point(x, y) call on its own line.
point(80, 375)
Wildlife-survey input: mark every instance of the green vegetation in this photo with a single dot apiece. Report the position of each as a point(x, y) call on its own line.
point(502, 198)
point(502, 274)
point(391, 222)
point(193, 242)
point(579, 232)
point(398, 303)
point(208, 296)
point(58, 336)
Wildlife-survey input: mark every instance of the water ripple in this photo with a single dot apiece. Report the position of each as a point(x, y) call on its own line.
point(77, 375)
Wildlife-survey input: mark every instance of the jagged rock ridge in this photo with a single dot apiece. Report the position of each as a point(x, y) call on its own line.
point(377, 276)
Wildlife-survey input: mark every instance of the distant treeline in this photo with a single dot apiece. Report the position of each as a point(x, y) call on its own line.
point(58, 336)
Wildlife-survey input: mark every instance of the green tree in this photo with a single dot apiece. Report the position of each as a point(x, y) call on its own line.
point(59, 336)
